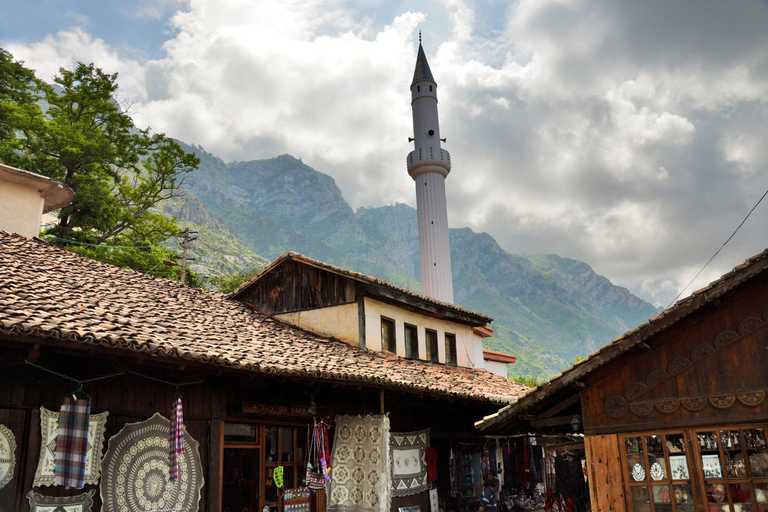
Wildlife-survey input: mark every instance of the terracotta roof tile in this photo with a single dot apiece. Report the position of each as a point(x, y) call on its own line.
point(49, 292)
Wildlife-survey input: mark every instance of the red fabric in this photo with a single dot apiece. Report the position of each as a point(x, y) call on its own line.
point(430, 456)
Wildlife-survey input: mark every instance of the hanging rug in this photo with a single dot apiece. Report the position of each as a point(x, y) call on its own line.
point(360, 465)
point(7, 455)
point(135, 470)
point(49, 421)
point(409, 468)
point(79, 503)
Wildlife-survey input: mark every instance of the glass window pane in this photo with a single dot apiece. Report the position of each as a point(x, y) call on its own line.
point(657, 464)
point(301, 444)
point(240, 483)
point(662, 499)
point(734, 458)
point(741, 497)
point(635, 459)
point(270, 489)
point(286, 450)
point(640, 501)
point(717, 498)
point(432, 354)
point(289, 473)
point(675, 444)
point(240, 432)
point(758, 453)
point(683, 498)
point(270, 444)
point(761, 496)
point(450, 349)
point(388, 334)
point(710, 456)
point(411, 342)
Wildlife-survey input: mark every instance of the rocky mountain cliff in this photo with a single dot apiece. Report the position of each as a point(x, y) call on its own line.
point(548, 310)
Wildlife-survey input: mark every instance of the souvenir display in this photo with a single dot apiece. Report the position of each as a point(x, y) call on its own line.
point(409, 467)
point(136, 470)
point(360, 465)
point(679, 467)
point(297, 500)
point(7, 455)
point(46, 464)
point(657, 472)
point(40, 503)
point(176, 439)
point(638, 473)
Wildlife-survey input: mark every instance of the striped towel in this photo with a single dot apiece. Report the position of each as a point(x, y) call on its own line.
point(176, 441)
point(72, 443)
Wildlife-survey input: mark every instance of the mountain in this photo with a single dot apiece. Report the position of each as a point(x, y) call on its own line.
point(547, 310)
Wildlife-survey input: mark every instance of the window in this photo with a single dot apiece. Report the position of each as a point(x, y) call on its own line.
point(411, 342)
point(450, 349)
point(432, 354)
point(388, 335)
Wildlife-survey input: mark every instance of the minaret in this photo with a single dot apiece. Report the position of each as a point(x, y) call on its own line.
point(428, 165)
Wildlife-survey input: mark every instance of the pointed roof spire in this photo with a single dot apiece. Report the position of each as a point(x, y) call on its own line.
point(422, 71)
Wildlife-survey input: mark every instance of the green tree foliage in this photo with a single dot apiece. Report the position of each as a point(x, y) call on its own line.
point(531, 382)
point(230, 283)
point(85, 138)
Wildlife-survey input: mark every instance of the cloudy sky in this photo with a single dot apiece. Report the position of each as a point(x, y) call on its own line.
point(629, 135)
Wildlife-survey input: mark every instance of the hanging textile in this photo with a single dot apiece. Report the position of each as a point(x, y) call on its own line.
point(510, 467)
point(360, 465)
point(316, 473)
point(72, 442)
point(49, 421)
point(176, 440)
point(40, 503)
point(430, 457)
point(523, 462)
point(537, 468)
point(409, 467)
point(7, 455)
point(569, 476)
point(135, 470)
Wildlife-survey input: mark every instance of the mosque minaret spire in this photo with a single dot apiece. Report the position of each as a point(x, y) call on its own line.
point(429, 165)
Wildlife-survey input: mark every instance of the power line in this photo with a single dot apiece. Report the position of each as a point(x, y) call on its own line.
point(718, 251)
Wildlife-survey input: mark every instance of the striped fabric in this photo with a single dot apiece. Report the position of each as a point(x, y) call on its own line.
point(72, 443)
point(176, 441)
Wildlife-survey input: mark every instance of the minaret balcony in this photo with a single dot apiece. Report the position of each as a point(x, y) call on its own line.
point(424, 160)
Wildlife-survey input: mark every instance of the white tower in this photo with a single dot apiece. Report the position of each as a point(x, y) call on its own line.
point(428, 165)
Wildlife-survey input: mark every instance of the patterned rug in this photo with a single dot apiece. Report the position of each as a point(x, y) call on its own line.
point(409, 468)
point(80, 503)
point(360, 465)
point(135, 470)
point(49, 420)
point(7, 455)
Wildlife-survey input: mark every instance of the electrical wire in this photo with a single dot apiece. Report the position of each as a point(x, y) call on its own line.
point(720, 249)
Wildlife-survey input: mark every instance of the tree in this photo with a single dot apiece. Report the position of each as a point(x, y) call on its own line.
point(87, 139)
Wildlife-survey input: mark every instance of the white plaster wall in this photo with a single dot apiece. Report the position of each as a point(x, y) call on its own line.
point(21, 209)
point(466, 340)
point(337, 321)
point(496, 367)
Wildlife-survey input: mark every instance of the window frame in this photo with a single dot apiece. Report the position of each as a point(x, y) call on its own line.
point(393, 339)
point(451, 350)
point(412, 344)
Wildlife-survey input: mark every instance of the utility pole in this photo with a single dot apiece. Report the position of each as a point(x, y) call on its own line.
point(185, 245)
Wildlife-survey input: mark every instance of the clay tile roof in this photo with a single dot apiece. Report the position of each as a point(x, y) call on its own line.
point(51, 293)
point(679, 310)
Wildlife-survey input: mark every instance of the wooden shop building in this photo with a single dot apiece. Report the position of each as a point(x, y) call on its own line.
point(673, 413)
point(303, 340)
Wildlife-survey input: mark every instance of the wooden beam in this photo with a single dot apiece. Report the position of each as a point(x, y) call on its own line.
point(552, 422)
point(559, 407)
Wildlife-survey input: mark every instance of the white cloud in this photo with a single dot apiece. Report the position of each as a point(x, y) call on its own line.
point(627, 135)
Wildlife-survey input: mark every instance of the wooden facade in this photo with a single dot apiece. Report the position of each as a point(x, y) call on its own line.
point(249, 383)
point(674, 413)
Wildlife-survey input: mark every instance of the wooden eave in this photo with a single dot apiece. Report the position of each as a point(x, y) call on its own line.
point(572, 379)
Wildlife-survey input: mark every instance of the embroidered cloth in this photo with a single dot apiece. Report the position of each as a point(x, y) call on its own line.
point(7, 455)
point(176, 441)
point(49, 421)
point(409, 468)
point(136, 468)
point(360, 465)
point(80, 503)
point(72, 443)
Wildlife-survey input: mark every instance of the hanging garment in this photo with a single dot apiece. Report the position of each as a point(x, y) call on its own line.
point(569, 477)
point(537, 470)
point(72, 442)
point(314, 475)
point(430, 455)
point(176, 440)
point(510, 467)
point(523, 462)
